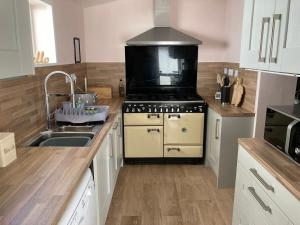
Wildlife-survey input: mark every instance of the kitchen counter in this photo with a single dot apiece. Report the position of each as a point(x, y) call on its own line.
point(282, 168)
point(35, 189)
point(227, 110)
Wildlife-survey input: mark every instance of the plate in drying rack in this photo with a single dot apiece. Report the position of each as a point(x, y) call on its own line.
point(85, 115)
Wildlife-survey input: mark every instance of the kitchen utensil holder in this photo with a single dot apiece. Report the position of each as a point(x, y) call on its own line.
point(225, 94)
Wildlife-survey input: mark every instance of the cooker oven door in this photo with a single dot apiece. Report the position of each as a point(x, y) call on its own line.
point(184, 128)
point(143, 141)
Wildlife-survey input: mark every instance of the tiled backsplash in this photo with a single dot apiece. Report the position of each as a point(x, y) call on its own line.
point(22, 100)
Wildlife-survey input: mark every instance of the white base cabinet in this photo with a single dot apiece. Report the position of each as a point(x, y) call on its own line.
point(222, 144)
point(107, 163)
point(259, 198)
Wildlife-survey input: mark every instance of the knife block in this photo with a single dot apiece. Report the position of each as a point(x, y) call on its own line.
point(7, 149)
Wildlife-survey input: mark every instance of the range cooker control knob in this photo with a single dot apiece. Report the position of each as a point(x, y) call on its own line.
point(149, 110)
point(161, 110)
point(155, 110)
point(178, 110)
point(139, 110)
point(172, 110)
point(127, 110)
point(133, 110)
point(167, 110)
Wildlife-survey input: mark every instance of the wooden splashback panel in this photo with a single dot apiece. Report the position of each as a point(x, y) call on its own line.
point(249, 82)
point(22, 104)
point(22, 101)
point(109, 74)
point(106, 74)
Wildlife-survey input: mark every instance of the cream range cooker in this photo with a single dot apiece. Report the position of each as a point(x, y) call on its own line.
point(164, 131)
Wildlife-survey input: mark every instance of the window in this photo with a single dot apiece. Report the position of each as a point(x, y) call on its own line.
point(43, 38)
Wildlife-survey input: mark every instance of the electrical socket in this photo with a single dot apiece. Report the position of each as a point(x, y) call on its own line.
point(230, 72)
point(236, 73)
point(73, 76)
point(225, 71)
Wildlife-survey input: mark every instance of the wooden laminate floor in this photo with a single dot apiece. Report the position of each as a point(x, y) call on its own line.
point(169, 195)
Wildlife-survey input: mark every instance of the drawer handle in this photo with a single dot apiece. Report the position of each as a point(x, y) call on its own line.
point(174, 149)
point(153, 115)
point(153, 130)
point(174, 115)
point(259, 200)
point(261, 180)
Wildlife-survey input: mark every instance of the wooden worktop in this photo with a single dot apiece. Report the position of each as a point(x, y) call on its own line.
point(35, 189)
point(283, 169)
point(227, 110)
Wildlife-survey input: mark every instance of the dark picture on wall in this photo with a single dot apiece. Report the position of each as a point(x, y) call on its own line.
point(77, 53)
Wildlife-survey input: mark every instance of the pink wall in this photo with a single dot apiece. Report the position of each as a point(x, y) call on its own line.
point(108, 26)
point(233, 30)
point(68, 23)
point(216, 22)
point(203, 19)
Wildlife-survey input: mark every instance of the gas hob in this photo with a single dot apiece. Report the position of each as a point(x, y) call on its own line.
point(157, 98)
point(164, 104)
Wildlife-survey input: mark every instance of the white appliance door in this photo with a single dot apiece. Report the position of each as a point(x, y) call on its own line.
point(88, 207)
point(82, 208)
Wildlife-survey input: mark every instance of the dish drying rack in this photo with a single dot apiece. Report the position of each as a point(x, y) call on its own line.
point(82, 115)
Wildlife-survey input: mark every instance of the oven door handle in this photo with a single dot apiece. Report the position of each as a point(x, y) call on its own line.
point(150, 115)
point(288, 136)
point(174, 115)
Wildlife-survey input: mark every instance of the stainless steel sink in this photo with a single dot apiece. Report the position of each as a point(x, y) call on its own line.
point(75, 129)
point(62, 139)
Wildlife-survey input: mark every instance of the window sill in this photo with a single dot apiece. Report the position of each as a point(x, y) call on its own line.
point(44, 65)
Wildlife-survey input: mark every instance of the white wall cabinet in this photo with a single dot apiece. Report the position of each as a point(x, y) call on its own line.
point(271, 36)
point(107, 163)
point(16, 57)
point(222, 144)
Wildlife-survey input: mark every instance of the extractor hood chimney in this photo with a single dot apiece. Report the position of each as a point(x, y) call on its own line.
point(162, 15)
point(163, 33)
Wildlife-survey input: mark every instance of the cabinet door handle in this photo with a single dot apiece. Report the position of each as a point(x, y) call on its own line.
point(112, 145)
point(217, 135)
point(153, 115)
point(265, 20)
point(116, 125)
point(174, 149)
point(153, 130)
point(259, 200)
point(174, 115)
point(120, 126)
point(261, 180)
point(287, 24)
point(275, 18)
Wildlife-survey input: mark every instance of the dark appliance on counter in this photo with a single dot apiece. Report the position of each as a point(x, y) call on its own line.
point(164, 117)
point(282, 129)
